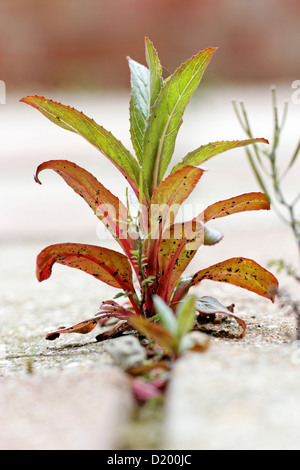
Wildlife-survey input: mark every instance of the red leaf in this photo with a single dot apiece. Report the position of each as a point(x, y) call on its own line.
point(178, 246)
point(144, 391)
point(107, 207)
point(106, 265)
point(169, 195)
point(244, 202)
point(241, 272)
point(165, 204)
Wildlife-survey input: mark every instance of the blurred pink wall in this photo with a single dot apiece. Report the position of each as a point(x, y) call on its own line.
point(85, 43)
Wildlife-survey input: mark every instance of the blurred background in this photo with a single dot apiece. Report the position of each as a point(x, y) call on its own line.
point(84, 44)
point(75, 52)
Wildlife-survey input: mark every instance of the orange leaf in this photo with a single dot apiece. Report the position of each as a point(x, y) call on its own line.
point(107, 207)
point(170, 194)
point(153, 331)
point(178, 246)
point(241, 272)
point(244, 202)
point(106, 265)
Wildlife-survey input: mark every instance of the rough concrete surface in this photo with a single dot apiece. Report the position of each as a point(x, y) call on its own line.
point(241, 393)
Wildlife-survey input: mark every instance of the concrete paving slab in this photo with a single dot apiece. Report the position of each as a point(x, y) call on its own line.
point(237, 396)
point(64, 411)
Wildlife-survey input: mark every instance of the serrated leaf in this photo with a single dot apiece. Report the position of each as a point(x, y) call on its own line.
point(139, 105)
point(75, 121)
point(166, 116)
point(104, 264)
point(155, 72)
point(244, 202)
point(241, 272)
point(205, 152)
point(107, 207)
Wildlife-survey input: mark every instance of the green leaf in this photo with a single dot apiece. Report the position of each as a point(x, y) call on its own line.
point(166, 315)
point(166, 116)
point(241, 272)
point(75, 121)
point(155, 72)
point(186, 316)
point(107, 207)
point(108, 266)
point(244, 202)
point(205, 152)
point(139, 105)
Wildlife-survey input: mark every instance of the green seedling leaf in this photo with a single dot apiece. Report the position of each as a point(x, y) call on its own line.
point(166, 116)
point(155, 72)
point(186, 316)
point(165, 314)
point(75, 121)
point(205, 152)
point(244, 202)
point(139, 105)
point(241, 272)
point(108, 266)
point(107, 207)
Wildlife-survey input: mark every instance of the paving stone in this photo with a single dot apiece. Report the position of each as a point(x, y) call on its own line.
point(64, 411)
point(234, 398)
